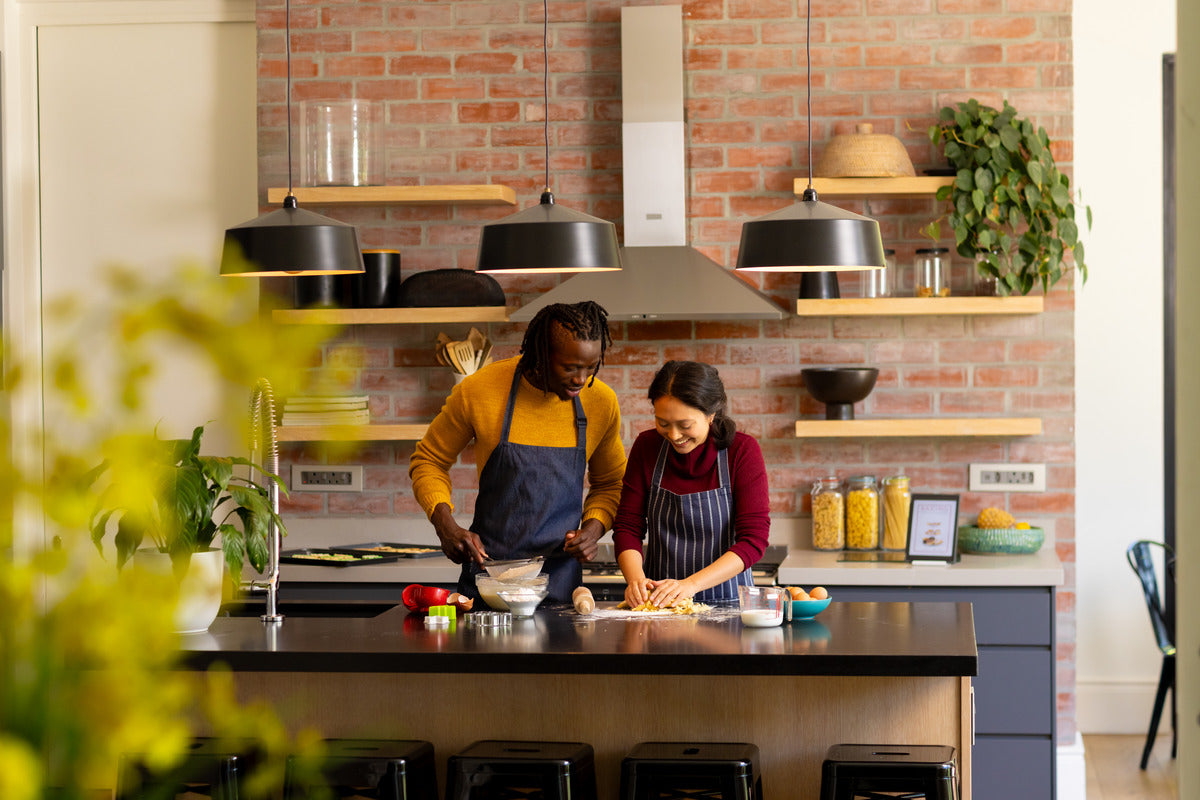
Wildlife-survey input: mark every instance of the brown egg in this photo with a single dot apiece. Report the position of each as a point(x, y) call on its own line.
point(798, 593)
point(818, 593)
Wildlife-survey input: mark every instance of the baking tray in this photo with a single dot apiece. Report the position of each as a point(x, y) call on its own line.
point(327, 557)
point(391, 549)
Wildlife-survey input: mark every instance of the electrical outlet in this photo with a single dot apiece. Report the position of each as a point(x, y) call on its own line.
point(1007, 478)
point(326, 479)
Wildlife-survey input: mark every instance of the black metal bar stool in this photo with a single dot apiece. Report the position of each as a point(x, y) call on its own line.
point(853, 771)
point(212, 768)
point(499, 770)
point(691, 771)
point(380, 769)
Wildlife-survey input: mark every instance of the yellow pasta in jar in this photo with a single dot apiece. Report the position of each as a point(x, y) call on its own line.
point(828, 533)
point(862, 519)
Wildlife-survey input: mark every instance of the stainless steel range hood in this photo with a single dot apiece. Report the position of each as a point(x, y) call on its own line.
point(662, 278)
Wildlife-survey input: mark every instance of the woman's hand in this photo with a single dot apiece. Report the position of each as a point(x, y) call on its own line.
point(666, 593)
point(459, 544)
point(638, 592)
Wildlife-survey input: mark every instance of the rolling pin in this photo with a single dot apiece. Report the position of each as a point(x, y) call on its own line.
point(583, 600)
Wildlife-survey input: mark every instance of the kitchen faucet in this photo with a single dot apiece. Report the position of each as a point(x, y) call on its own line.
point(262, 436)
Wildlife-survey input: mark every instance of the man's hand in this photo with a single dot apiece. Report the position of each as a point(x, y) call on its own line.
point(583, 544)
point(459, 544)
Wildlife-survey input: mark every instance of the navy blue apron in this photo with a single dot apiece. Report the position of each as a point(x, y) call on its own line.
point(529, 497)
point(687, 532)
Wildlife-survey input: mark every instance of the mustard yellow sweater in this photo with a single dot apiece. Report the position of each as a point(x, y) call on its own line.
point(475, 410)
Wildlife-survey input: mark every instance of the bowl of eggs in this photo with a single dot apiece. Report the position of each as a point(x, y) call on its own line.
point(807, 604)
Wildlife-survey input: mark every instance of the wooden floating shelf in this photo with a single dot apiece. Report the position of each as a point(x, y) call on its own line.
point(940, 426)
point(388, 316)
point(463, 195)
point(920, 186)
point(350, 433)
point(919, 306)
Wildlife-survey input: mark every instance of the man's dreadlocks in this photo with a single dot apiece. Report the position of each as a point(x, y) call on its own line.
point(583, 322)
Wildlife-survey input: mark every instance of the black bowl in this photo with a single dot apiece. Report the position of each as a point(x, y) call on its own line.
point(839, 388)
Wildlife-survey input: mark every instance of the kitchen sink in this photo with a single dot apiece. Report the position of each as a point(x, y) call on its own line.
point(308, 608)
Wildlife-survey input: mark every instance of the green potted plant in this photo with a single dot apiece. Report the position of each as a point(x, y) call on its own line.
point(1010, 208)
point(194, 498)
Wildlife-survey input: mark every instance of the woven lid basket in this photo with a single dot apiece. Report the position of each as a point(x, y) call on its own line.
point(1000, 540)
point(864, 154)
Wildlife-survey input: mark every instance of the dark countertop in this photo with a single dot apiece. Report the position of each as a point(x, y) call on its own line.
point(854, 639)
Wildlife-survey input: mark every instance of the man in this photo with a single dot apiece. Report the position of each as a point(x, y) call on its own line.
point(540, 421)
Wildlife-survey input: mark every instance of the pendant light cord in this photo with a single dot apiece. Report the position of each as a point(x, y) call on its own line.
point(287, 46)
point(546, 84)
point(808, 81)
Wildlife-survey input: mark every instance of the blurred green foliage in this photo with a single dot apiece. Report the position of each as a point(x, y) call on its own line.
point(90, 665)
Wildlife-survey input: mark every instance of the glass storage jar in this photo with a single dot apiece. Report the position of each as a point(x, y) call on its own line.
point(880, 282)
point(931, 272)
point(828, 516)
point(862, 513)
point(897, 500)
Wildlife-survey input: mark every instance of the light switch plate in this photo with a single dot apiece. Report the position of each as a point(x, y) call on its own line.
point(1007, 478)
point(326, 478)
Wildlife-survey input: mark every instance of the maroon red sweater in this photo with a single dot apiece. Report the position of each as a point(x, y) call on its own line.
point(697, 472)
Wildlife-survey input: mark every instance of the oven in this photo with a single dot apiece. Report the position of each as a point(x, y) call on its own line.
point(603, 576)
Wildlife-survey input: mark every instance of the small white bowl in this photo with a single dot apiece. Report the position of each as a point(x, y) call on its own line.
point(524, 601)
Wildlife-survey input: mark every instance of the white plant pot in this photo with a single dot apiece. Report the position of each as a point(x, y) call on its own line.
point(199, 590)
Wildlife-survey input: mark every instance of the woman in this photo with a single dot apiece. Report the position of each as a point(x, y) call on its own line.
point(697, 490)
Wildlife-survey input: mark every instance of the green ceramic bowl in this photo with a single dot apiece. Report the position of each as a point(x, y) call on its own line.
point(1000, 540)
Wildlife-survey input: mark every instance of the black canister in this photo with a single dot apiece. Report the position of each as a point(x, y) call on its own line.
point(378, 286)
point(320, 291)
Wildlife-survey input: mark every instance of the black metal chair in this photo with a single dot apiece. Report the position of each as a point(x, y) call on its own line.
point(1140, 558)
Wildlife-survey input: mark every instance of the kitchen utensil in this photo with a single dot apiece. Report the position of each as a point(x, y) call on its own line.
point(418, 598)
point(463, 354)
point(807, 609)
point(839, 388)
point(762, 606)
point(490, 587)
point(512, 568)
point(524, 600)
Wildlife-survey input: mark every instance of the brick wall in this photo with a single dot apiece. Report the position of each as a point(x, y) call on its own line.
point(463, 91)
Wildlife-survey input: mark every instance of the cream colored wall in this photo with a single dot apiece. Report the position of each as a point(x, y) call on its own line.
point(1118, 352)
point(129, 138)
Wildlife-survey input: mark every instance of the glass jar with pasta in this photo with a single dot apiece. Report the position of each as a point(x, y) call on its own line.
point(862, 513)
point(828, 516)
point(897, 499)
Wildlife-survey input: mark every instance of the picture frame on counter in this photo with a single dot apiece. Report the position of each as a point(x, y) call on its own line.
point(933, 529)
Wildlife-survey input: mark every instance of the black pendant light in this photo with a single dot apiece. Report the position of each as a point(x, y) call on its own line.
point(811, 236)
point(548, 237)
point(290, 241)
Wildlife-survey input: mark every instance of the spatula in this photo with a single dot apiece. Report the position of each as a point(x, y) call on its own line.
point(463, 355)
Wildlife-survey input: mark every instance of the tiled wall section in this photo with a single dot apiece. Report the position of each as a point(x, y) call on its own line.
point(462, 86)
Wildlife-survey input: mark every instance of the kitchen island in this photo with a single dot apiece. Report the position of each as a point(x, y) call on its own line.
point(859, 672)
point(1014, 605)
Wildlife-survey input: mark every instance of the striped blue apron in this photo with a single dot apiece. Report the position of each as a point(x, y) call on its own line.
point(687, 532)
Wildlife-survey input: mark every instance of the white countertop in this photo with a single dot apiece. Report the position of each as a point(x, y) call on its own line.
point(809, 568)
point(802, 567)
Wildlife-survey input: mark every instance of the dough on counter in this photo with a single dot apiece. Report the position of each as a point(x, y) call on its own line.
point(685, 606)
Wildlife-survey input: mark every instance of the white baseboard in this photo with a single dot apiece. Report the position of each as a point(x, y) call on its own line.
point(1117, 707)
point(1072, 771)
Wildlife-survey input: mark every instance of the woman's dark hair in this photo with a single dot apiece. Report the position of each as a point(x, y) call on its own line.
point(699, 386)
point(583, 322)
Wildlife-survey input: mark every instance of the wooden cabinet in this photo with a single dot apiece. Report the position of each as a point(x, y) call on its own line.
point(1015, 703)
